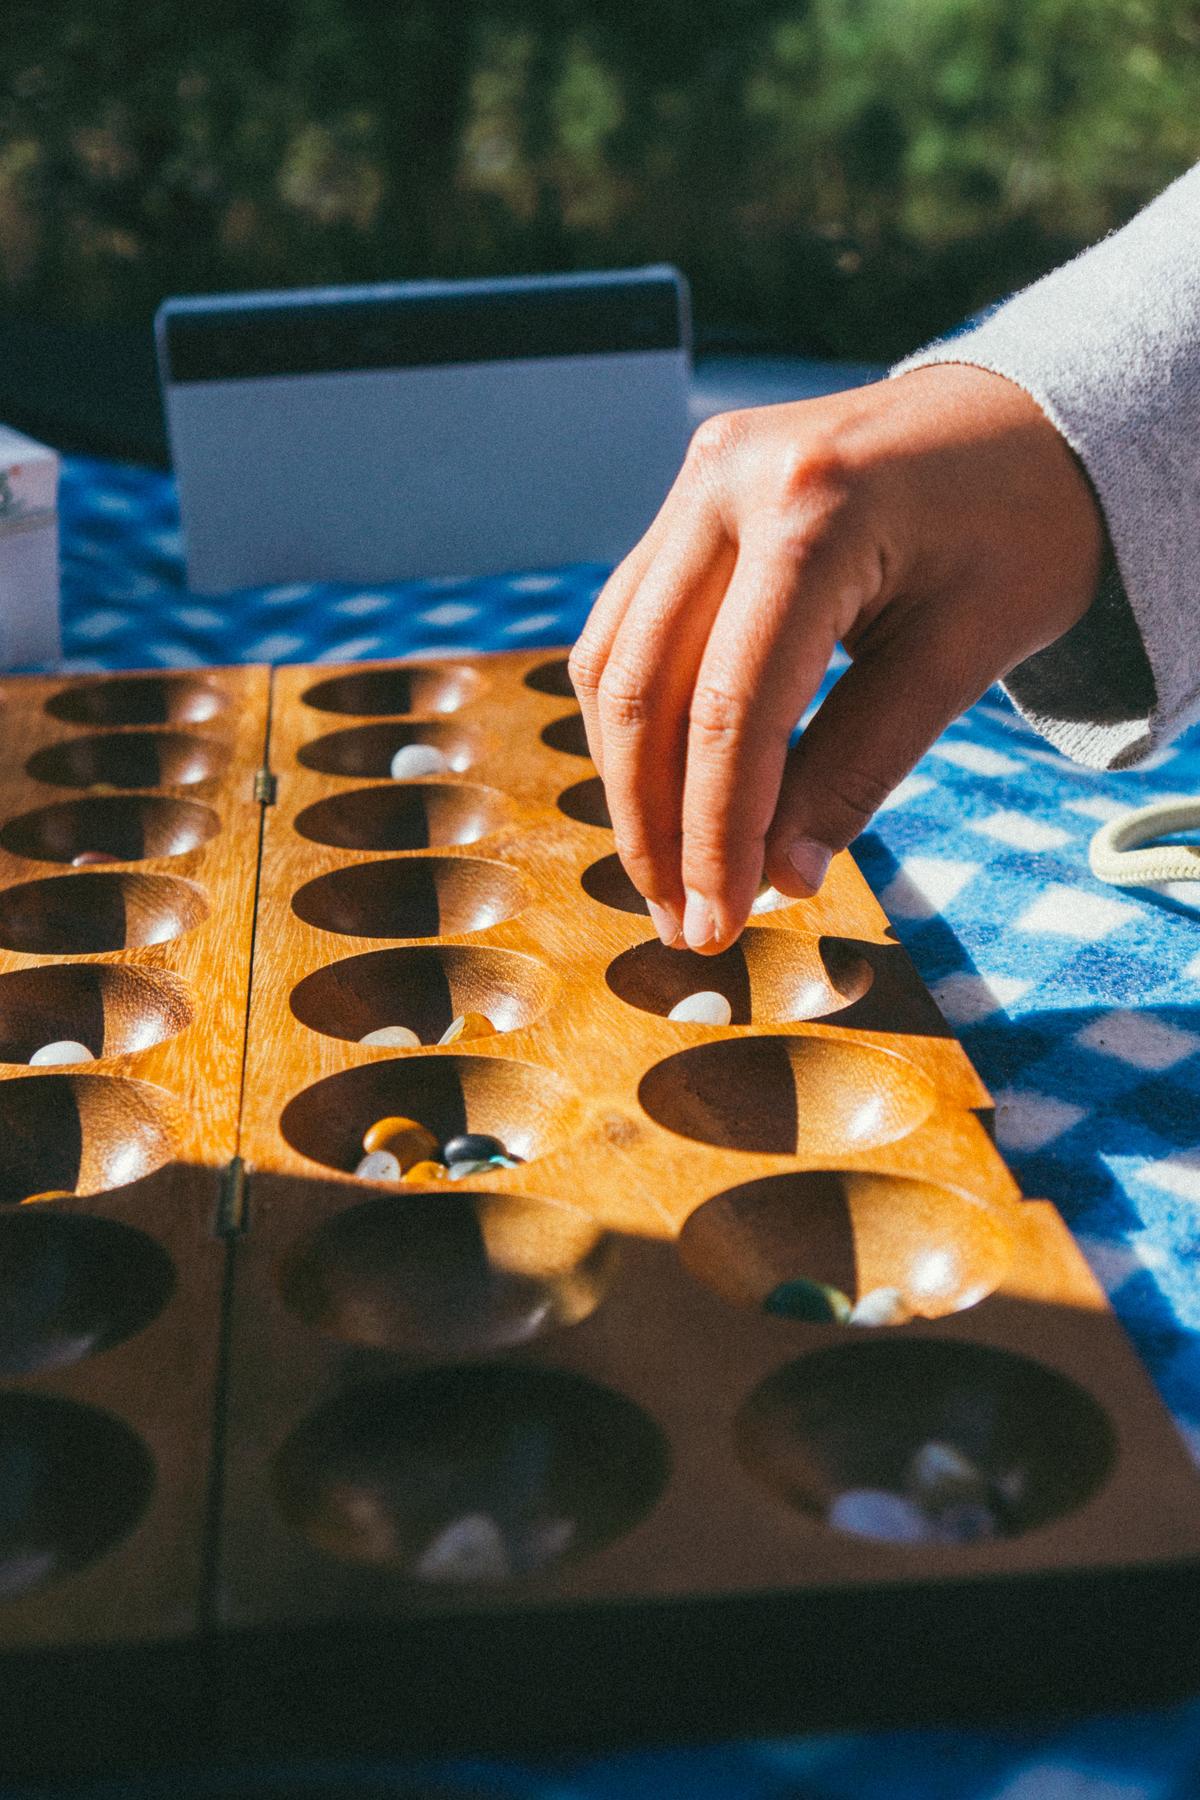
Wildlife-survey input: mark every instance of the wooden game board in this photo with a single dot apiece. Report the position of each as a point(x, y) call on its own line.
point(239, 1389)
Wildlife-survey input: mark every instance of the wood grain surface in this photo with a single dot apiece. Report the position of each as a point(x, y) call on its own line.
point(835, 1129)
point(255, 1406)
point(147, 961)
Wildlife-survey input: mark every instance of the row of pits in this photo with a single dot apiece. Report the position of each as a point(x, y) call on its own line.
point(427, 815)
point(555, 1466)
point(783, 1096)
point(74, 1480)
point(93, 910)
point(179, 700)
point(132, 828)
point(160, 757)
point(459, 1273)
point(424, 688)
point(114, 1010)
point(104, 1133)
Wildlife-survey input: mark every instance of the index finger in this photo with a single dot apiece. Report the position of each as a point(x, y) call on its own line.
point(764, 661)
point(589, 656)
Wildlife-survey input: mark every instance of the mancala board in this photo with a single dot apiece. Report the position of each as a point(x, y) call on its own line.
point(290, 1461)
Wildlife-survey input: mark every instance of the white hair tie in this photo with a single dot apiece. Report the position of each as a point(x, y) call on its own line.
point(1116, 855)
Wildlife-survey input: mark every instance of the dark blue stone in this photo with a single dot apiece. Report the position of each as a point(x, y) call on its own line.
point(472, 1146)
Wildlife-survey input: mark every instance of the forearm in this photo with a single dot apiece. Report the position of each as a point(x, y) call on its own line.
point(1109, 348)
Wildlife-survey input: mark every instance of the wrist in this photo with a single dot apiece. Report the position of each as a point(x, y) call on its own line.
point(995, 497)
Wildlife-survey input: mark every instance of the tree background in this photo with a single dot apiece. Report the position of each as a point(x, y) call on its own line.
point(838, 177)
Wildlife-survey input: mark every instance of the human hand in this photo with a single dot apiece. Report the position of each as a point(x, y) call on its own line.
point(936, 524)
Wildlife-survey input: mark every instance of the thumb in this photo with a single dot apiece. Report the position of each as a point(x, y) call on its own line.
point(878, 720)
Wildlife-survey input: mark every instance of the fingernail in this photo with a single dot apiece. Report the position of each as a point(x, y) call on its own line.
point(699, 926)
point(810, 861)
point(665, 922)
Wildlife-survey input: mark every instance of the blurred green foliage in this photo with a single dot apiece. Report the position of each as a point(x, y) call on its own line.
point(844, 176)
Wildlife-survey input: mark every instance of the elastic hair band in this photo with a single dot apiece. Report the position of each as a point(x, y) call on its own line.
point(1115, 856)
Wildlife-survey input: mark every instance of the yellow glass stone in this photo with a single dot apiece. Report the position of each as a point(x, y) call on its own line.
point(408, 1141)
point(470, 1025)
point(425, 1171)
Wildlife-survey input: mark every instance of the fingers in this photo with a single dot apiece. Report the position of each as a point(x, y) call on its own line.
point(791, 528)
point(878, 720)
point(674, 523)
point(764, 660)
point(703, 650)
point(633, 670)
point(588, 659)
point(643, 706)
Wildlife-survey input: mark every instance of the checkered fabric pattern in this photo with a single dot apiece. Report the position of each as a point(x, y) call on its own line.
point(1079, 1004)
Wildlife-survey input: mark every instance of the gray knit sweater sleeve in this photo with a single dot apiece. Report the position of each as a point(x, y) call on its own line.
point(1109, 347)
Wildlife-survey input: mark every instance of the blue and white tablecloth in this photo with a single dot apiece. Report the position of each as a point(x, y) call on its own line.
point(1079, 1004)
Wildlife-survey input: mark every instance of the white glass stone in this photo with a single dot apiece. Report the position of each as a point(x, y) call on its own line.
point(939, 1475)
point(413, 760)
point(379, 1165)
point(874, 1513)
point(63, 1050)
point(469, 1549)
point(394, 1037)
point(881, 1306)
point(704, 1008)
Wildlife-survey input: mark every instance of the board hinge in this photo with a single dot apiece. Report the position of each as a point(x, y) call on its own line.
point(231, 1203)
point(265, 787)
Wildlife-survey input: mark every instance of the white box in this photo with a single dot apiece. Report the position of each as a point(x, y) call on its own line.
point(424, 428)
point(29, 581)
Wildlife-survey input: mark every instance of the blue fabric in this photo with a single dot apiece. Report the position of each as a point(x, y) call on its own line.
point(1079, 1004)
